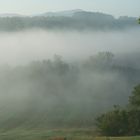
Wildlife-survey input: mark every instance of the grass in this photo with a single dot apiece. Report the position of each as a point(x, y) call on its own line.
point(70, 134)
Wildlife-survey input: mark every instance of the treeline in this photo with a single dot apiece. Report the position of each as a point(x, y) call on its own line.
point(79, 21)
point(56, 93)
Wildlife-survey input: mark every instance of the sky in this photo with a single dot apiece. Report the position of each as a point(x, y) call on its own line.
point(29, 7)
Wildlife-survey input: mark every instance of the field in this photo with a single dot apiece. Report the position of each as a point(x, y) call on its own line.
point(70, 134)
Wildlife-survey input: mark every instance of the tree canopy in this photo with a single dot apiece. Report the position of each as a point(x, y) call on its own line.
point(139, 20)
point(119, 122)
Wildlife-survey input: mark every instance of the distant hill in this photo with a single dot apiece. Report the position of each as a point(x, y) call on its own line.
point(67, 20)
point(68, 13)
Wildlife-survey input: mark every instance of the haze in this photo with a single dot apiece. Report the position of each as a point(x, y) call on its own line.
point(117, 8)
point(25, 46)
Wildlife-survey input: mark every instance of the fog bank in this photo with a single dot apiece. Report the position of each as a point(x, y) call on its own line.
point(65, 79)
point(25, 46)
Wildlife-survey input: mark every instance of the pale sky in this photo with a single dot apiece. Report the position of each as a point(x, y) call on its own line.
point(114, 7)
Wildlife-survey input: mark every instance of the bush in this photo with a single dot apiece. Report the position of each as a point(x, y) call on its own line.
point(119, 122)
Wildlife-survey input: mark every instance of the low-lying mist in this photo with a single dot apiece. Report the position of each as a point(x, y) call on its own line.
point(65, 79)
point(26, 46)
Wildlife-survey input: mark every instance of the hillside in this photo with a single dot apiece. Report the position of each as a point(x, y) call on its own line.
point(56, 94)
point(67, 20)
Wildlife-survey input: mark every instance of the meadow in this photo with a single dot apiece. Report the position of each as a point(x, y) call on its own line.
point(65, 134)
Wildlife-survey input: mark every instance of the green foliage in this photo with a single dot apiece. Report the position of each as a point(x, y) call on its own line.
point(113, 123)
point(139, 20)
point(134, 122)
point(134, 99)
point(122, 121)
point(134, 110)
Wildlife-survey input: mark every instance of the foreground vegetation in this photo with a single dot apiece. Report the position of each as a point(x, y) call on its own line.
point(120, 121)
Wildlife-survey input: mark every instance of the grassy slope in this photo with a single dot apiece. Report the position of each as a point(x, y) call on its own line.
point(71, 134)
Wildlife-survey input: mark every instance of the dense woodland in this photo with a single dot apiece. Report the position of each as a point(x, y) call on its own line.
point(55, 93)
point(78, 21)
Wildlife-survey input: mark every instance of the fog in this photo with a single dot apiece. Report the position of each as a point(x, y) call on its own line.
point(65, 79)
point(25, 46)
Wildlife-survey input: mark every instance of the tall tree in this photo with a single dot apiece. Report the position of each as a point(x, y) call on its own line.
point(134, 99)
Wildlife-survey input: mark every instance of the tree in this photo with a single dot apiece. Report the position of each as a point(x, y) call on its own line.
point(122, 121)
point(101, 61)
point(113, 123)
point(139, 20)
point(134, 110)
point(134, 99)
